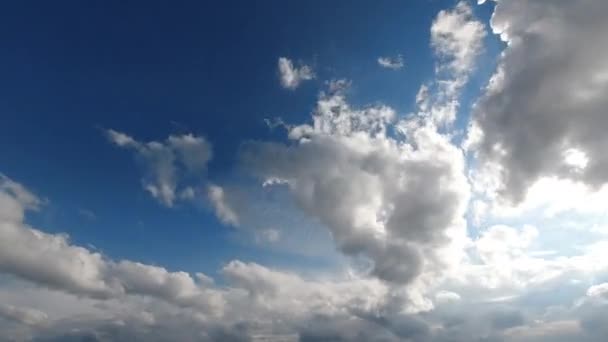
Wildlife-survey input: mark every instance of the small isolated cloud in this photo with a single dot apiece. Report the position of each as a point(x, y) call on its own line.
point(165, 162)
point(219, 201)
point(291, 76)
point(388, 62)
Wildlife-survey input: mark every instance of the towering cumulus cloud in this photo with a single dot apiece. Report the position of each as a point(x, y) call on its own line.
point(544, 112)
point(393, 198)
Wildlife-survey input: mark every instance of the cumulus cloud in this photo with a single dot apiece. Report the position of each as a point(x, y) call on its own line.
point(291, 76)
point(140, 301)
point(392, 200)
point(117, 296)
point(15, 200)
point(543, 112)
point(457, 40)
point(41, 257)
point(51, 260)
point(394, 63)
point(165, 162)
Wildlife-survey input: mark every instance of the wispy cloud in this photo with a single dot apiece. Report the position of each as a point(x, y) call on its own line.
point(165, 161)
point(389, 62)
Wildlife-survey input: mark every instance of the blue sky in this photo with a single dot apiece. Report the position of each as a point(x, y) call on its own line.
point(303, 171)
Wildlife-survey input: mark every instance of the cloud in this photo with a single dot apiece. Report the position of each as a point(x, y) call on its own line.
point(40, 257)
point(178, 288)
point(194, 152)
point(291, 298)
point(392, 200)
point(291, 76)
point(544, 202)
point(15, 200)
point(389, 62)
point(457, 40)
point(52, 261)
point(443, 297)
point(221, 205)
point(128, 300)
point(165, 162)
point(502, 244)
point(27, 316)
point(392, 191)
point(543, 112)
point(600, 291)
point(340, 85)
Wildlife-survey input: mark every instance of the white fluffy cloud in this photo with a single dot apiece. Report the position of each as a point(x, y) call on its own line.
point(126, 299)
point(457, 40)
point(52, 261)
point(165, 162)
point(291, 76)
point(41, 257)
point(394, 200)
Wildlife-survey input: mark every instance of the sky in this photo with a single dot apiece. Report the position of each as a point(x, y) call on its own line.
point(306, 171)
